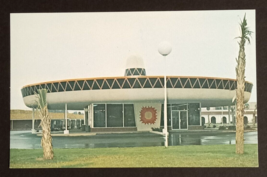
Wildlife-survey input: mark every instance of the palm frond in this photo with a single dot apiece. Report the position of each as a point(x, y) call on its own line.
point(245, 32)
point(42, 98)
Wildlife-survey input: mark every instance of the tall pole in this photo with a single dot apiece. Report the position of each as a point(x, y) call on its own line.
point(66, 121)
point(66, 131)
point(165, 49)
point(33, 130)
point(165, 105)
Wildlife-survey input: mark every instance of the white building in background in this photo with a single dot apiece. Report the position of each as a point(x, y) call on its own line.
point(220, 115)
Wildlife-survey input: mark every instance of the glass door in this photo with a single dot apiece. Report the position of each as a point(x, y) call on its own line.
point(175, 120)
point(179, 119)
point(183, 119)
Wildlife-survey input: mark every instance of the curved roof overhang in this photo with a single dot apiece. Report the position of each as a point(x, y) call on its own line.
point(78, 93)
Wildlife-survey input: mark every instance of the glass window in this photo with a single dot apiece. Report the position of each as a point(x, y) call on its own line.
point(99, 115)
point(147, 84)
point(183, 80)
point(114, 115)
point(68, 88)
point(136, 84)
point(192, 80)
point(62, 87)
point(129, 119)
point(126, 84)
point(179, 107)
point(178, 84)
point(205, 85)
point(131, 81)
point(71, 83)
point(105, 85)
point(157, 85)
point(173, 80)
point(80, 84)
point(213, 120)
point(201, 81)
point(152, 80)
point(76, 87)
point(194, 114)
point(95, 86)
point(142, 81)
point(196, 84)
point(86, 86)
point(120, 81)
point(115, 85)
point(100, 82)
point(212, 83)
point(90, 82)
point(168, 82)
point(231, 85)
point(135, 72)
point(226, 84)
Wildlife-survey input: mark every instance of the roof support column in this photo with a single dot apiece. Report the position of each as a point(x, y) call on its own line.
point(90, 115)
point(86, 119)
point(208, 108)
point(228, 114)
point(75, 124)
point(33, 130)
point(222, 116)
point(66, 131)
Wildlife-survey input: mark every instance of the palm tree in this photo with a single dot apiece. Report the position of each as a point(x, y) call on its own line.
point(240, 78)
point(45, 124)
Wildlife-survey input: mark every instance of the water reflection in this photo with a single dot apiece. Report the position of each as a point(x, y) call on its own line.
point(176, 139)
point(179, 139)
point(29, 141)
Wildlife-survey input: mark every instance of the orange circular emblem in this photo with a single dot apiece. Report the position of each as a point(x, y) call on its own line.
point(148, 115)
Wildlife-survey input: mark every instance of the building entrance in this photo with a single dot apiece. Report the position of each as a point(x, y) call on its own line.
point(179, 119)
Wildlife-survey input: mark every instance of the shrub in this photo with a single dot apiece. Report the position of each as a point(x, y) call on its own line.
point(214, 126)
point(247, 127)
point(157, 129)
point(222, 128)
point(232, 128)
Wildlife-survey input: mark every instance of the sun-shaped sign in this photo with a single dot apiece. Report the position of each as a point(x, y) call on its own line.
point(148, 115)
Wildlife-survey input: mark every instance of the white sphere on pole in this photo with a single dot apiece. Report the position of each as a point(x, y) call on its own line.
point(165, 48)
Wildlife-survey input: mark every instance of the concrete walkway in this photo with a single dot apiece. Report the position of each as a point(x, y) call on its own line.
point(78, 132)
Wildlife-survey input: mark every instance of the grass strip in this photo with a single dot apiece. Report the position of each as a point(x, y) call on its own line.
point(173, 156)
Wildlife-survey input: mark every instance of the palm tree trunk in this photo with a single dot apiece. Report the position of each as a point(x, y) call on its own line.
point(46, 141)
point(254, 116)
point(240, 77)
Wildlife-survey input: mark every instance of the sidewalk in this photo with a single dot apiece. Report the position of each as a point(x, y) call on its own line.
point(78, 132)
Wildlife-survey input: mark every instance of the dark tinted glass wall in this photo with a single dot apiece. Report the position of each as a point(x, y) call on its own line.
point(193, 114)
point(168, 115)
point(99, 115)
point(114, 115)
point(129, 120)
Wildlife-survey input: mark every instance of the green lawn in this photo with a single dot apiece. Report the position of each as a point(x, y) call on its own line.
point(173, 156)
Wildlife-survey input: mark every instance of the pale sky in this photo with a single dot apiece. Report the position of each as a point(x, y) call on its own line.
point(55, 46)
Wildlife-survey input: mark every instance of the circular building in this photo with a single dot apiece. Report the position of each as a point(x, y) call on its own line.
point(135, 101)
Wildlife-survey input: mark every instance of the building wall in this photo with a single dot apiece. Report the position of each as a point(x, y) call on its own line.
point(22, 125)
point(147, 116)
